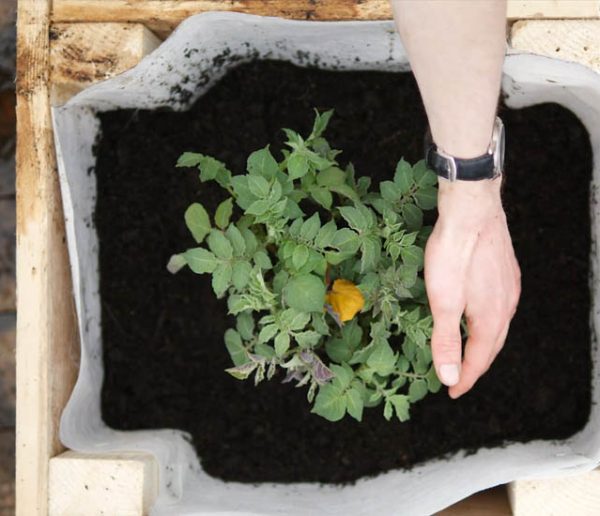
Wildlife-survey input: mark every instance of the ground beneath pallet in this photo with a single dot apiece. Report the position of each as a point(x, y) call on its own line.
point(164, 356)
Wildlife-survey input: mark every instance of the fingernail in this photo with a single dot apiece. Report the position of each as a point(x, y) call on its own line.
point(449, 374)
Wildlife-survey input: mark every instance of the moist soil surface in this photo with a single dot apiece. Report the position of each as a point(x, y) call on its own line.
point(163, 335)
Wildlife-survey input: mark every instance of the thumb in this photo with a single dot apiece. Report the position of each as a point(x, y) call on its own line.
point(446, 347)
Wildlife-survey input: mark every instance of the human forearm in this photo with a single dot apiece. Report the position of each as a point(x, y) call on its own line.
point(456, 49)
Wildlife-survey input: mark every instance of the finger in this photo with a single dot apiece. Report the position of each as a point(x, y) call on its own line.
point(478, 350)
point(446, 347)
point(499, 343)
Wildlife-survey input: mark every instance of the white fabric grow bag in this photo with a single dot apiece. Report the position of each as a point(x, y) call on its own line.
point(200, 51)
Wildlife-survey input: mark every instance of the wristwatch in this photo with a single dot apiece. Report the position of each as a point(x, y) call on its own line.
point(488, 166)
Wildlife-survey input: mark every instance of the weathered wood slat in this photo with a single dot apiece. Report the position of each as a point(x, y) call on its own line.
point(577, 495)
point(572, 40)
point(162, 16)
point(84, 53)
point(118, 483)
point(46, 329)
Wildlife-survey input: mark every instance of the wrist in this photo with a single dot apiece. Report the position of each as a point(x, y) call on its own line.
point(468, 205)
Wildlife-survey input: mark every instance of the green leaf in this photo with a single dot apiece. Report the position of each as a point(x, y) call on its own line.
point(189, 159)
point(262, 162)
point(423, 176)
point(176, 263)
point(310, 227)
point(300, 256)
point(264, 350)
point(354, 218)
point(235, 347)
point(221, 279)
point(317, 161)
point(426, 198)
point(388, 410)
point(259, 207)
point(344, 374)
point(282, 344)
point(218, 244)
point(325, 235)
point(401, 406)
point(345, 240)
point(354, 404)
point(292, 210)
point(261, 258)
point(412, 256)
point(267, 333)
point(338, 350)
point(307, 339)
point(245, 325)
point(237, 304)
point(352, 333)
point(390, 191)
point(294, 320)
point(332, 176)
point(322, 196)
point(417, 390)
point(297, 165)
point(305, 293)
point(210, 168)
point(223, 213)
point(433, 382)
point(242, 372)
point(200, 260)
point(370, 254)
point(413, 217)
point(249, 239)
point(259, 186)
point(238, 242)
point(244, 197)
point(241, 274)
point(382, 358)
point(345, 191)
point(330, 403)
point(197, 221)
point(403, 176)
point(320, 123)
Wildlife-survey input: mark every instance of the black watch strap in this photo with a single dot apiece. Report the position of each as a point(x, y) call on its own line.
point(474, 169)
point(488, 166)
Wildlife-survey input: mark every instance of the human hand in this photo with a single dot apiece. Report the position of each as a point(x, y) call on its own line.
point(470, 268)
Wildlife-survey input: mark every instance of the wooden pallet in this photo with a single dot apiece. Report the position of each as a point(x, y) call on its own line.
point(66, 45)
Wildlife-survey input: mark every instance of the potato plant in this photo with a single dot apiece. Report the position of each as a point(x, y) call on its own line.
point(322, 272)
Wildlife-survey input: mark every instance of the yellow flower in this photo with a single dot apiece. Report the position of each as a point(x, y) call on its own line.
point(344, 300)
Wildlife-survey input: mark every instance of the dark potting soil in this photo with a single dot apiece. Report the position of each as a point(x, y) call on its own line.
point(163, 335)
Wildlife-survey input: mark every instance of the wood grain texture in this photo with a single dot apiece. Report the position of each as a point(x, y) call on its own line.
point(574, 496)
point(84, 53)
point(89, 485)
point(572, 40)
point(162, 16)
point(46, 330)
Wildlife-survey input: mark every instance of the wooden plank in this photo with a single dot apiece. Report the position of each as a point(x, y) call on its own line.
point(162, 16)
point(578, 495)
point(87, 485)
point(84, 53)
point(491, 502)
point(572, 40)
point(46, 329)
